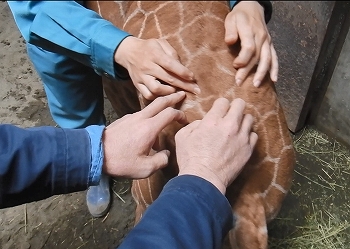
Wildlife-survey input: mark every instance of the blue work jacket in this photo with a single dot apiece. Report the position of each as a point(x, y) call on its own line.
point(36, 163)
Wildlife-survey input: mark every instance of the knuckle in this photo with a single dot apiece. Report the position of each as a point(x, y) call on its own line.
point(170, 80)
point(263, 35)
point(167, 61)
point(165, 160)
point(173, 54)
point(268, 38)
point(244, 141)
point(235, 128)
point(143, 67)
point(268, 59)
point(148, 96)
point(170, 111)
point(249, 46)
point(156, 88)
point(243, 72)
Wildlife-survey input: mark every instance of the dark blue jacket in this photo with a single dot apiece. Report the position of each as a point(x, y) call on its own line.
point(189, 213)
point(36, 163)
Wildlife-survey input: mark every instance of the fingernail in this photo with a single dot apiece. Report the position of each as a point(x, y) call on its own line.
point(197, 90)
point(167, 152)
point(256, 83)
point(238, 81)
point(183, 94)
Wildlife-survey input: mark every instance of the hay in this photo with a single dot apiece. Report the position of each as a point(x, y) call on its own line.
point(318, 211)
point(120, 187)
point(319, 232)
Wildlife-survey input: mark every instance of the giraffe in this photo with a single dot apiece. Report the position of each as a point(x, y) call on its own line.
point(196, 31)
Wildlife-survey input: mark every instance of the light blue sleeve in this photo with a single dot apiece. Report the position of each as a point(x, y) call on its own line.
point(232, 3)
point(95, 133)
point(68, 28)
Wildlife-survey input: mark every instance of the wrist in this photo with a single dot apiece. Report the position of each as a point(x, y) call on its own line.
point(120, 52)
point(267, 7)
point(205, 174)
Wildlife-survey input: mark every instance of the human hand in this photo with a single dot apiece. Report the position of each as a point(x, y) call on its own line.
point(127, 142)
point(152, 60)
point(246, 22)
point(217, 147)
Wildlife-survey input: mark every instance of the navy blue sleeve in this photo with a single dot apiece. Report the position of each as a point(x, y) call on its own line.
point(267, 5)
point(189, 213)
point(40, 162)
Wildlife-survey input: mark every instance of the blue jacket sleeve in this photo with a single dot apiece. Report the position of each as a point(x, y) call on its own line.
point(189, 213)
point(232, 3)
point(68, 28)
point(40, 162)
point(267, 5)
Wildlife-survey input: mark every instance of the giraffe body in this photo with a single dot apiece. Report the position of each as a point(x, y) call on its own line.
point(196, 31)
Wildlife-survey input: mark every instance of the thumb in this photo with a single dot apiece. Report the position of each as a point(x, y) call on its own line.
point(231, 33)
point(156, 161)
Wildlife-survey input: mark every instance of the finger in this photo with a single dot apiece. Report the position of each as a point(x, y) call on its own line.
point(274, 64)
point(218, 110)
point(264, 64)
point(145, 92)
point(245, 61)
point(164, 118)
point(172, 65)
point(243, 72)
point(248, 47)
point(156, 87)
point(247, 124)
point(253, 139)
point(231, 34)
point(168, 49)
point(161, 103)
point(157, 161)
point(171, 76)
point(235, 113)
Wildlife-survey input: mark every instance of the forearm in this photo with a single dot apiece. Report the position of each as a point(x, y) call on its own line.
point(68, 28)
point(189, 213)
point(40, 162)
